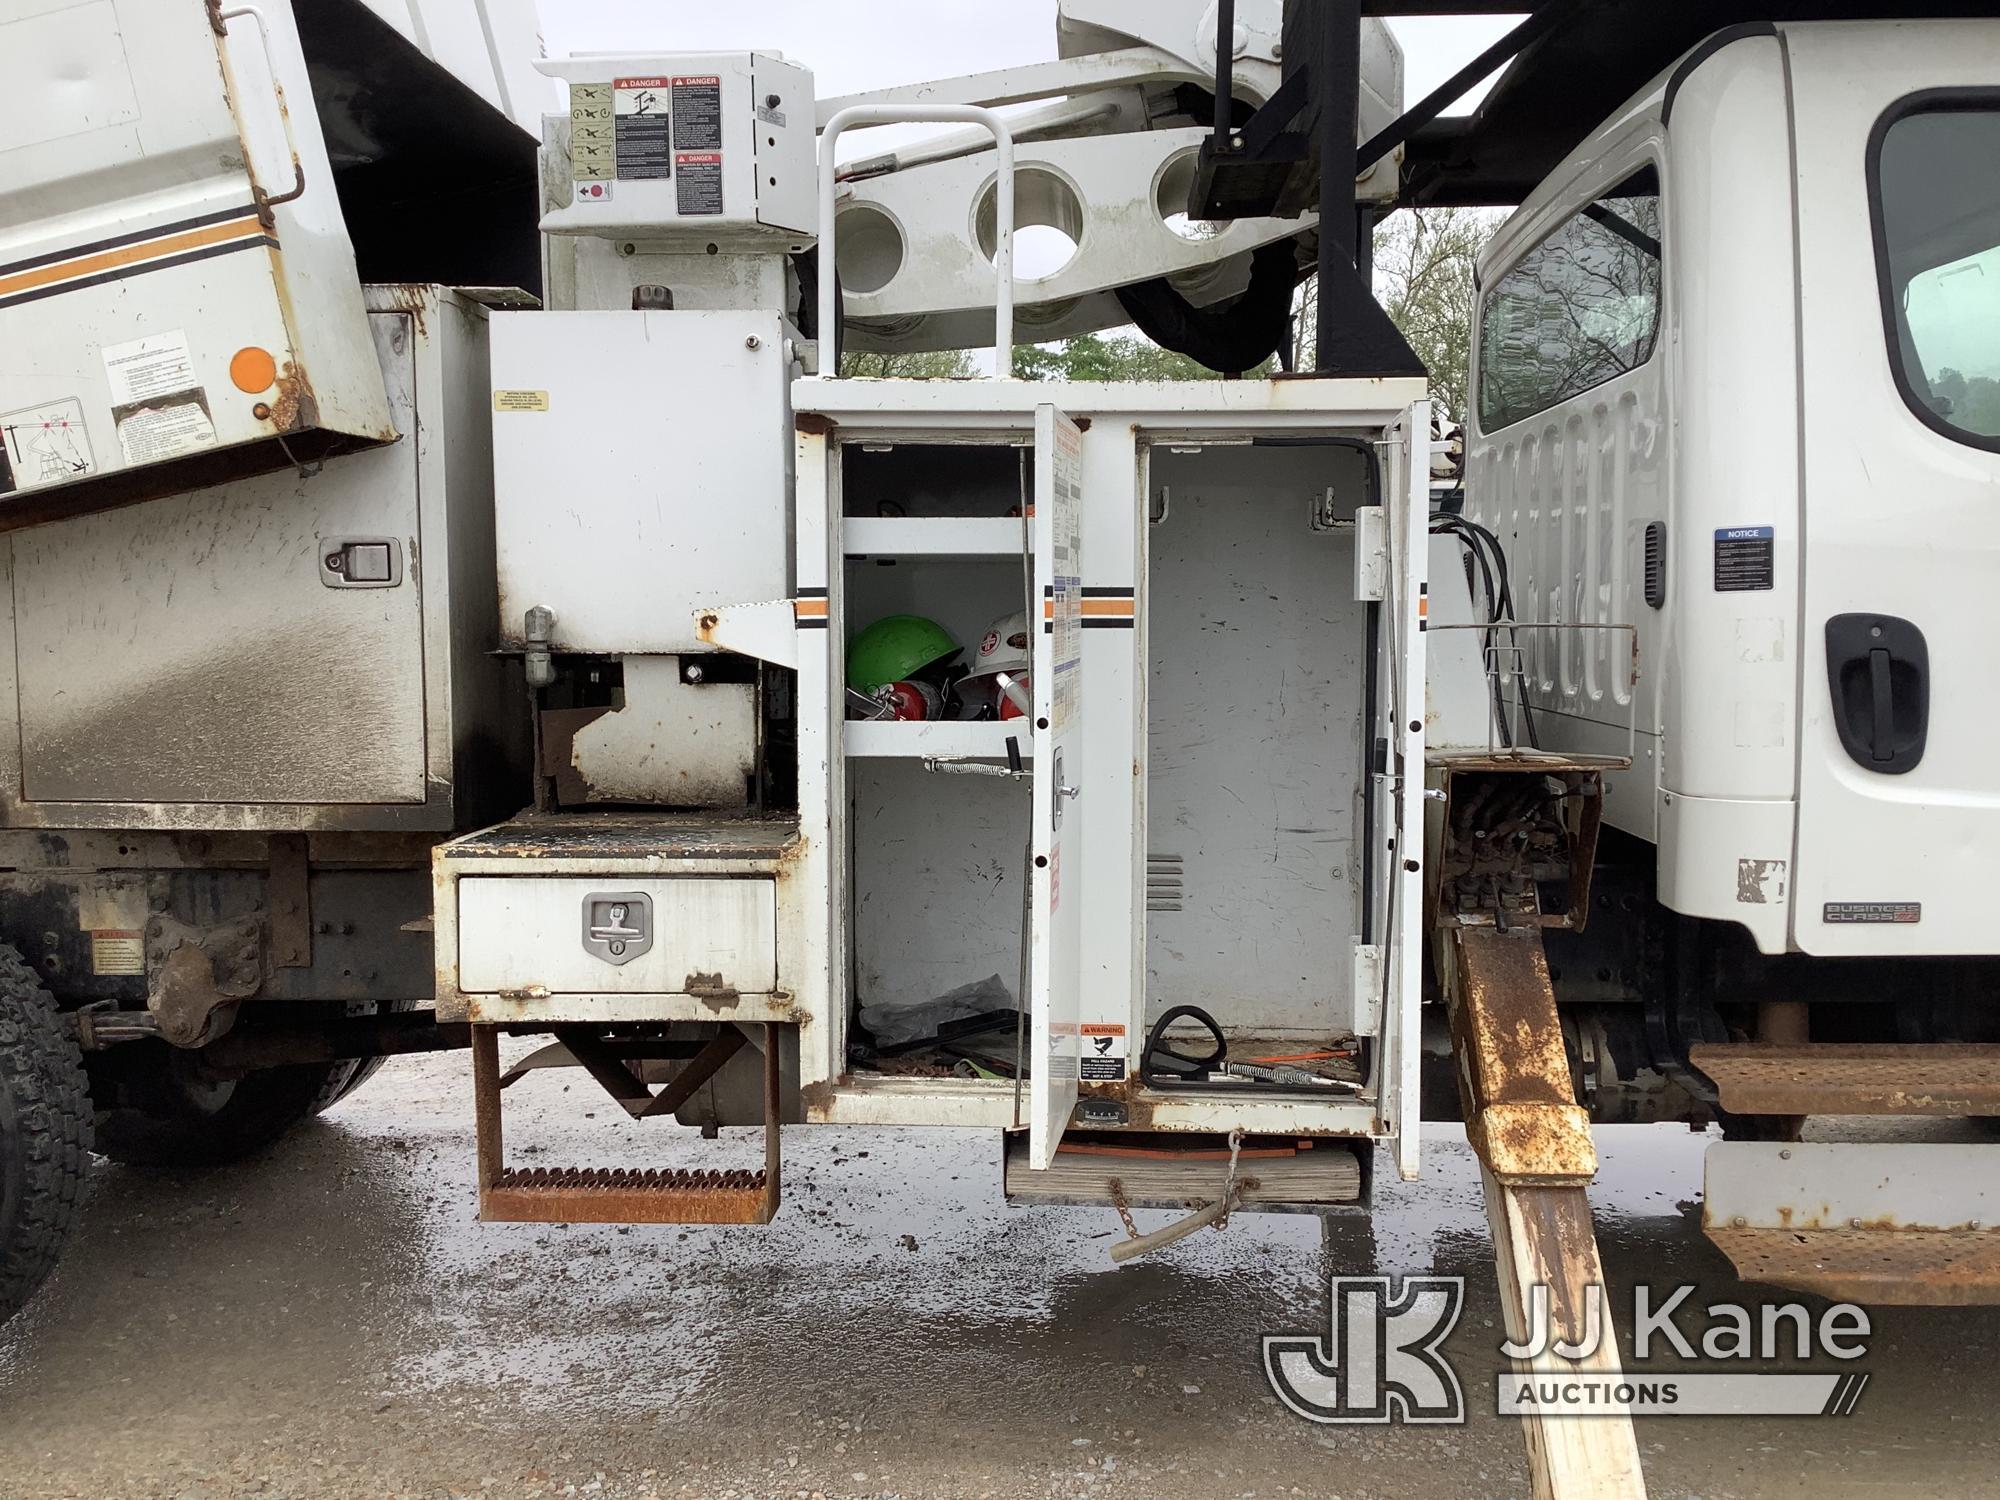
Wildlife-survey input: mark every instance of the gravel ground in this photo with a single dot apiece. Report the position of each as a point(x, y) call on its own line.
point(328, 1320)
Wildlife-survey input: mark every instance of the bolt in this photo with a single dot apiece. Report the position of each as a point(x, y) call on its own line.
point(1853, 1223)
point(159, 903)
point(695, 674)
point(1738, 1222)
point(1236, 143)
point(1785, 1155)
point(50, 940)
point(753, 342)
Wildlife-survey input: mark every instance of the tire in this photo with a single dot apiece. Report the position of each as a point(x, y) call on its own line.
point(45, 1134)
point(170, 1116)
point(344, 1078)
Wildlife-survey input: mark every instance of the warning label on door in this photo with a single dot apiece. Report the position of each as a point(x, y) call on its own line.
point(44, 445)
point(642, 132)
point(161, 430)
point(697, 114)
point(1102, 1058)
point(1744, 559)
point(157, 365)
point(700, 186)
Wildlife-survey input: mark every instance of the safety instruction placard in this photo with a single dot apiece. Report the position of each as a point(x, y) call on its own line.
point(698, 113)
point(117, 951)
point(45, 444)
point(642, 130)
point(1745, 559)
point(700, 189)
point(145, 369)
point(1102, 1057)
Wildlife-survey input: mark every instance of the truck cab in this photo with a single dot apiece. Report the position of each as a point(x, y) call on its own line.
point(1734, 386)
point(1734, 421)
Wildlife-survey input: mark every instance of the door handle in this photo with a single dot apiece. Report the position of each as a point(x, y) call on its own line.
point(1878, 674)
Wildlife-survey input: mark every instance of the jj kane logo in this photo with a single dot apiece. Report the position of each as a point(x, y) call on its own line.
point(1382, 1357)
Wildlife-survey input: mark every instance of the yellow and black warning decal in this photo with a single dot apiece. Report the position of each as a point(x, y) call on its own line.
point(809, 609)
point(178, 244)
point(1099, 609)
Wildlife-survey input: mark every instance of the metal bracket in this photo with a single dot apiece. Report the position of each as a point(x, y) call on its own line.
point(289, 894)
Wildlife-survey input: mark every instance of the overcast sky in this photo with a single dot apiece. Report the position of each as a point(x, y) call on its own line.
point(853, 45)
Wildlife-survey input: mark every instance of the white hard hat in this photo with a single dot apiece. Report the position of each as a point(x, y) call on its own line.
point(1004, 647)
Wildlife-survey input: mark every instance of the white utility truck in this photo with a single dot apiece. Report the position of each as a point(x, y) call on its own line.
point(1142, 771)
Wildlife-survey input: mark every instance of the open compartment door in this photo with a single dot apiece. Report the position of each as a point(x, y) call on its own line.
point(1056, 959)
point(1397, 894)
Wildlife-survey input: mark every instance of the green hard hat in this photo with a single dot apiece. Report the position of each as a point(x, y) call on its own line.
point(895, 647)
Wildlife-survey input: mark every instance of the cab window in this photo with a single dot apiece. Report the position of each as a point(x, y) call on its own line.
point(1936, 185)
point(1581, 308)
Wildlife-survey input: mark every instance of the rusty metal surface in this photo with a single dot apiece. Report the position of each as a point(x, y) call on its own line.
point(1834, 1078)
point(1872, 1265)
point(198, 976)
point(1520, 1107)
point(616, 836)
point(1511, 829)
point(561, 1195)
point(291, 902)
point(568, 1195)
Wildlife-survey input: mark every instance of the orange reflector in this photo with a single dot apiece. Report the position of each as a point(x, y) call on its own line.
point(253, 370)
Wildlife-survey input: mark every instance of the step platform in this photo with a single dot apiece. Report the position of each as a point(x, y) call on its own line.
point(1839, 1078)
point(600, 1195)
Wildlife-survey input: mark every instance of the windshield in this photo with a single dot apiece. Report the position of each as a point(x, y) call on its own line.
point(1937, 182)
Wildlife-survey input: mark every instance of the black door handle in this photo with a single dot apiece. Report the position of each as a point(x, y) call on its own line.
point(1878, 671)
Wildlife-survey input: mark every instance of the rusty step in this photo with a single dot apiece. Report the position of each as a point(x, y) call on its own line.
point(1905, 1223)
point(1853, 1078)
point(617, 1195)
point(581, 1195)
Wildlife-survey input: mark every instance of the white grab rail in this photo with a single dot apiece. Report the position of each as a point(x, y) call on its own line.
point(830, 311)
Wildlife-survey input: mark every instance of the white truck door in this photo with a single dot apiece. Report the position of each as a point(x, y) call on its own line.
point(1056, 959)
point(1899, 787)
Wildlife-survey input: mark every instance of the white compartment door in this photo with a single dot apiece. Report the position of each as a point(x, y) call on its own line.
point(1398, 897)
point(1056, 964)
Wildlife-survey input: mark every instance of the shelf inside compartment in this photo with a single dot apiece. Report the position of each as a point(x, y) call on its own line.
point(883, 739)
point(932, 536)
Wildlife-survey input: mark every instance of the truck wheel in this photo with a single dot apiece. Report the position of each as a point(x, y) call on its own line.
point(168, 1115)
point(344, 1078)
point(44, 1132)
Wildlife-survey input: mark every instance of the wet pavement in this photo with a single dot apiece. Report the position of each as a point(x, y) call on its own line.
point(329, 1320)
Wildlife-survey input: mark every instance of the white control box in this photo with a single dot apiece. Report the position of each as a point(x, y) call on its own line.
point(641, 472)
point(708, 145)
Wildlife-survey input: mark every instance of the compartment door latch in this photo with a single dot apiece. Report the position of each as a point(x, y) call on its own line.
point(360, 562)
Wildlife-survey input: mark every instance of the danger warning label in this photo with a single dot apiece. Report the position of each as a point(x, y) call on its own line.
point(697, 114)
point(1102, 1052)
point(642, 128)
point(700, 187)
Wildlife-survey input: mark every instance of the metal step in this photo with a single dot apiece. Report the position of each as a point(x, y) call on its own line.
point(1914, 1224)
point(1853, 1078)
point(570, 1195)
point(1271, 1177)
point(600, 1195)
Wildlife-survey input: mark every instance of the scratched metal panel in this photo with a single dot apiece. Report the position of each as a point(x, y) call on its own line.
point(1254, 724)
point(187, 650)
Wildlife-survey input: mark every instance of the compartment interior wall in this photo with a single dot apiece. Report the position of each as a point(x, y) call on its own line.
point(964, 595)
point(936, 479)
point(1255, 736)
point(936, 886)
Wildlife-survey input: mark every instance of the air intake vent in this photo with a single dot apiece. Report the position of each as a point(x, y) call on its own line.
point(1656, 564)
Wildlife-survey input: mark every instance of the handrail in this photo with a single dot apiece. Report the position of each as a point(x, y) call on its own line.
point(830, 311)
